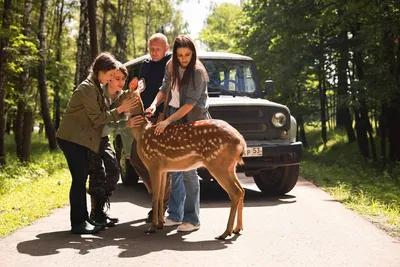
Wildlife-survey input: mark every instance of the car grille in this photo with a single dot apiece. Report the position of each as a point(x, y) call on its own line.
point(253, 122)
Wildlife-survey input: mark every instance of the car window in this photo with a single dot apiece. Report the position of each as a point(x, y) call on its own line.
point(230, 75)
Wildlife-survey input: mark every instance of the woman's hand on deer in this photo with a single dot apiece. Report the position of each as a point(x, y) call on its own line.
point(160, 127)
point(151, 110)
point(135, 122)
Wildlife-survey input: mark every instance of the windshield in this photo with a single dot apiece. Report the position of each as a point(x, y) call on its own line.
point(234, 77)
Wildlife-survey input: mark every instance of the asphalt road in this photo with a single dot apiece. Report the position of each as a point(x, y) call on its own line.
point(307, 227)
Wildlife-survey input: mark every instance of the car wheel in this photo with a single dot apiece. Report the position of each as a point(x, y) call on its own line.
point(128, 173)
point(278, 181)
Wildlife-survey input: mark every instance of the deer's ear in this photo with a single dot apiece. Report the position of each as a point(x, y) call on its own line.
point(141, 85)
point(133, 84)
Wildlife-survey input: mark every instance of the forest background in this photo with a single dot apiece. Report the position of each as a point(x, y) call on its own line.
point(335, 64)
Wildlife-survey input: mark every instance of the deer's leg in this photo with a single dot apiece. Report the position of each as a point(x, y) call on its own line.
point(155, 179)
point(161, 200)
point(239, 222)
point(227, 179)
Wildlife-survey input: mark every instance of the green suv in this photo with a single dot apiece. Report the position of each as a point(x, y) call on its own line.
point(273, 155)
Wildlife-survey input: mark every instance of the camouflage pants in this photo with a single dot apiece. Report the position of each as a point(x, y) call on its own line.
point(103, 170)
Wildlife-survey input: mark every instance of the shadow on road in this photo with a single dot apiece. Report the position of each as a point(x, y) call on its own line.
point(128, 237)
point(211, 196)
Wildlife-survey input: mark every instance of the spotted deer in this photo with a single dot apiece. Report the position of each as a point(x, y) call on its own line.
point(213, 144)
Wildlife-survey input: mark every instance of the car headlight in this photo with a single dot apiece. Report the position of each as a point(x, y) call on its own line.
point(278, 119)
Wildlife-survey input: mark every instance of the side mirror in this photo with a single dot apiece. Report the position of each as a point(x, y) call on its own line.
point(269, 88)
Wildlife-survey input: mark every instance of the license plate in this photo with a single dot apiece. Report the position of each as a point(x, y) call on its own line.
point(253, 152)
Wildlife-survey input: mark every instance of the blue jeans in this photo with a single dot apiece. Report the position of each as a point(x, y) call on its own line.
point(184, 201)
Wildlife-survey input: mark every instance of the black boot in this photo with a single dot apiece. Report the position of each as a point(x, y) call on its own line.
point(114, 220)
point(98, 215)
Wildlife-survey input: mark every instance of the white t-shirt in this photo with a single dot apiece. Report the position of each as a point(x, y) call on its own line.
point(175, 93)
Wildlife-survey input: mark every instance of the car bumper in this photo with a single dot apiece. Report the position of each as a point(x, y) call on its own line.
point(274, 156)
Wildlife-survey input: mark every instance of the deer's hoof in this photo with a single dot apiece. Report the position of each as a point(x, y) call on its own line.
point(160, 226)
point(221, 237)
point(150, 230)
point(237, 231)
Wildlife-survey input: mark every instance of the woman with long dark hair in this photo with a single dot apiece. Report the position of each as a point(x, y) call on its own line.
point(81, 130)
point(185, 84)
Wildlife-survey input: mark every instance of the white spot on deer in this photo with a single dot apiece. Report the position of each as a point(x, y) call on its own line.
point(220, 140)
point(205, 131)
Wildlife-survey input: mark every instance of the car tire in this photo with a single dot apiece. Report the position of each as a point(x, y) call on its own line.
point(128, 173)
point(278, 181)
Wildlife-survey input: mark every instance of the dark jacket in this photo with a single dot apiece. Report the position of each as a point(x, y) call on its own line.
point(153, 74)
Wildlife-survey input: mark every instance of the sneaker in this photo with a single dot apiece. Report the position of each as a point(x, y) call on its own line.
point(168, 222)
point(187, 227)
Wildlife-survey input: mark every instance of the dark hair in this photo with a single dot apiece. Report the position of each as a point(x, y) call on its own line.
point(185, 41)
point(121, 67)
point(103, 62)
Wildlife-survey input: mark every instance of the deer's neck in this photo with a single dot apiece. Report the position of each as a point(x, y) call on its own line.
point(138, 131)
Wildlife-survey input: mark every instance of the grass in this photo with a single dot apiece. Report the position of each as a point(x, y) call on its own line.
point(29, 191)
point(361, 185)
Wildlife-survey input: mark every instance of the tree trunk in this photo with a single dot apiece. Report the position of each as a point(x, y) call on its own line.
point(103, 43)
point(57, 86)
point(23, 109)
point(392, 54)
point(124, 32)
point(322, 86)
point(83, 59)
point(94, 49)
point(147, 29)
point(302, 132)
point(121, 29)
point(361, 111)
point(27, 136)
point(343, 117)
point(50, 132)
point(383, 125)
point(4, 39)
point(133, 36)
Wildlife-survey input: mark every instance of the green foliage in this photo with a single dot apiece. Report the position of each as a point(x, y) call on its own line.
point(360, 185)
point(221, 24)
point(29, 191)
